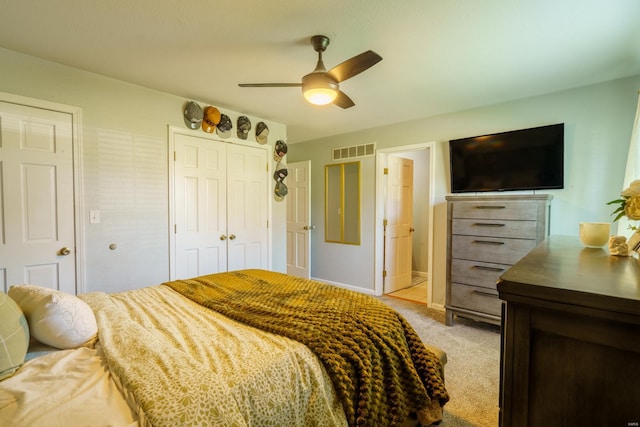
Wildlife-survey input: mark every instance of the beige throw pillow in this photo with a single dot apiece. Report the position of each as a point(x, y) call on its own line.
point(14, 336)
point(56, 318)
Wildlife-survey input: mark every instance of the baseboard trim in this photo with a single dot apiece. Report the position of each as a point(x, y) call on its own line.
point(345, 286)
point(438, 307)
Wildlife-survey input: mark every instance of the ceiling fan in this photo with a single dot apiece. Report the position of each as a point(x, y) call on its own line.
point(321, 87)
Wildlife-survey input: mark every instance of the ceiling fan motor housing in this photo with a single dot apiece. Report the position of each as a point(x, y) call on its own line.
point(318, 80)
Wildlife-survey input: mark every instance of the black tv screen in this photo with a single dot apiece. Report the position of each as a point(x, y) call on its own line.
point(526, 159)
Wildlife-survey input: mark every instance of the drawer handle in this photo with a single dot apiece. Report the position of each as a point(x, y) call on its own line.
point(484, 294)
point(484, 267)
point(491, 207)
point(488, 224)
point(488, 242)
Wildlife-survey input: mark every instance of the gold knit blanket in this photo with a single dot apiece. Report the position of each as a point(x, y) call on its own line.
point(379, 367)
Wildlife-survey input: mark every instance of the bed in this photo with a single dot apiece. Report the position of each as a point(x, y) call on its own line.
point(243, 348)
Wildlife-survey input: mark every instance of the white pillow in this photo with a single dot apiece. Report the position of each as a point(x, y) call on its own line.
point(56, 318)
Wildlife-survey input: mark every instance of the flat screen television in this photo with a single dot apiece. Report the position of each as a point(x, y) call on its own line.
point(525, 159)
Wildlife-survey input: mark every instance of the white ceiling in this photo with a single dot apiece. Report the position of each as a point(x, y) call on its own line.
point(439, 56)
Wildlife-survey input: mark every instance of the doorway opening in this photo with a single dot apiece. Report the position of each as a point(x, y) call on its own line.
point(419, 288)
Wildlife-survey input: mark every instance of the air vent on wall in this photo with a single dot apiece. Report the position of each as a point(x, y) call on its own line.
point(364, 150)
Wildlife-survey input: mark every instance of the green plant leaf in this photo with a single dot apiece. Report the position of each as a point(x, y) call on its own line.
point(620, 215)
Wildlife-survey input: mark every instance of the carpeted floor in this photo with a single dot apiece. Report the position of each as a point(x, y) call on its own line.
point(472, 373)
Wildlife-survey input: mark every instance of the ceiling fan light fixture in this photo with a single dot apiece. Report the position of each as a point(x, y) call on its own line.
point(320, 95)
point(319, 89)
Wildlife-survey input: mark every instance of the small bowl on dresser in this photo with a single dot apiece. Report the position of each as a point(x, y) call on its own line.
point(594, 234)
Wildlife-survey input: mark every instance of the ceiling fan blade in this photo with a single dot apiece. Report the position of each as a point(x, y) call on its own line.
point(269, 84)
point(354, 66)
point(343, 101)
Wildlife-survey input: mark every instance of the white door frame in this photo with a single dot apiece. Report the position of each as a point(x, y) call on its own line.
point(381, 155)
point(78, 183)
point(173, 130)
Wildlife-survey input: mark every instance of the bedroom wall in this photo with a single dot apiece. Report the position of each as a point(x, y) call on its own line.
point(125, 167)
point(598, 121)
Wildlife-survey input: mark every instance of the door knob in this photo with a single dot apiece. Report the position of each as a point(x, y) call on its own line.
point(64, 251)
point(309, 227)
point(223, 237)
point(232, 236)
point(411, 230)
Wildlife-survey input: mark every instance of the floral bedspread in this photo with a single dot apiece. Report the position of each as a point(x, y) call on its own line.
point(181, 364)
point(380, 369)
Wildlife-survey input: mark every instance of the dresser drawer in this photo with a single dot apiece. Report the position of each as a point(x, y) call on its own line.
point(476, 273)
point(476, 299)
point(520, 210)
point(490, 249)
point(495, 228)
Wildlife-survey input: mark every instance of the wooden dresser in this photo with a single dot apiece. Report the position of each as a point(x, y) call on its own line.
point(570, 338)
point(486, 236)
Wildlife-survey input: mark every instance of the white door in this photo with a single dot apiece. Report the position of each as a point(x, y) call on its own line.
point(200, 191)
point(220, 207)
point(37, 232)
point(399, 229)
point(247, 207)
point(299, 219)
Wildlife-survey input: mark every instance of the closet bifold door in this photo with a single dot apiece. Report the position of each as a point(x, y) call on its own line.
point(200, 206)
point(220, 206)
point(247, 189)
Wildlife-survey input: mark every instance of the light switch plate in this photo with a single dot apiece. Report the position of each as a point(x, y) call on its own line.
point(94, 216)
